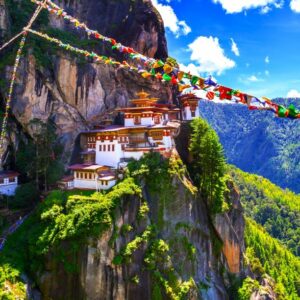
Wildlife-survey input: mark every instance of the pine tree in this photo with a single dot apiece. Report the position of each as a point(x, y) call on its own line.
point(208, 168)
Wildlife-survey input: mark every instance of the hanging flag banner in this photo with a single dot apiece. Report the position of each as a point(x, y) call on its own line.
point(167, 71)
point(11, 87)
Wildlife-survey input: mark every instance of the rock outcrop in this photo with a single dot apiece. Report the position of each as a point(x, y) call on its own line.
point(183, 223)
point(72, 93)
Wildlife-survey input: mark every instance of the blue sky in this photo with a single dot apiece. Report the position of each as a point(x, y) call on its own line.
point(249, 45)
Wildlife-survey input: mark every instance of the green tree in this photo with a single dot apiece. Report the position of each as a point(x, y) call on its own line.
point(38, 159)
point(208, 167)
point(26, 195)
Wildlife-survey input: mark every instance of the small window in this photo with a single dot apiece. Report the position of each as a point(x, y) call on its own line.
point(108, 148)
point(156, 119)
point(137, 120)
point(106, 182)
point(1, 180)
point(113, 148)
point(193, 114)
point(12, 179)
point(100, 147)
point(90, 175)
point(104, 148)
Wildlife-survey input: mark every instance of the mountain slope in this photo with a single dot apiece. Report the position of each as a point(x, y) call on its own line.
point(277, 210)
point(265, 255)
point(257, 142)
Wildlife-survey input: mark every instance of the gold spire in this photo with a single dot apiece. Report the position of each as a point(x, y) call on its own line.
point(143, 99)
point(143, 95)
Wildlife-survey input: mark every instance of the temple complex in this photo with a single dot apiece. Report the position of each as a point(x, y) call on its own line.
point(147, 128)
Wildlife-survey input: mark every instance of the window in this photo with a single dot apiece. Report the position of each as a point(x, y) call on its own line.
point(1, 180)
point(104, 148)
point(106, 182)
point(113, 148)
point(193, 114)
point(137, 120)
point(85, 175)
point(100, 147)
point(90, 175)
point(12, 179)
point(108, 148)
point(156, 119)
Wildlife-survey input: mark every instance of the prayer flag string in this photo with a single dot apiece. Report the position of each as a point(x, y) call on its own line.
point(169, 72)
point(11, 87)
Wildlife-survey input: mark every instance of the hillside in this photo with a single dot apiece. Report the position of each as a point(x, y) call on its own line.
point(265, 255)
point(257, 142)
point(277, 210)
point(150, 237)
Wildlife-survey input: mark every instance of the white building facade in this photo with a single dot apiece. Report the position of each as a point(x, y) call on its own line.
point(8, 182)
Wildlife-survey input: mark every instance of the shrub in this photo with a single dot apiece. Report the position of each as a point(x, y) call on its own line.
point(26, 195)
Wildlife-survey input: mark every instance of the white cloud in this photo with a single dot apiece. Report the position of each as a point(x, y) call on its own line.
point(208, 56)
point(295, 6)
point(267, 60)
point(234, 48)
point(171, 20)
point(293, 94)
point(192, 68)
point(267, 73)
point(265, 10)
point(253, 78)
point(237, 6)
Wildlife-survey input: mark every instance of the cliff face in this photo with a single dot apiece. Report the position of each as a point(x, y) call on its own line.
point(72, 94)
point(195, 251)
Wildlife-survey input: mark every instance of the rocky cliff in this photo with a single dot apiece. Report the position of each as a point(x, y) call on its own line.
point(72, 92)
point(162, 245)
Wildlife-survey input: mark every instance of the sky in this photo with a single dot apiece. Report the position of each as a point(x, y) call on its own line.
point(248, 45)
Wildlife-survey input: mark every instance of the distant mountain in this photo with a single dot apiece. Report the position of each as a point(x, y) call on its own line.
point(258, 142)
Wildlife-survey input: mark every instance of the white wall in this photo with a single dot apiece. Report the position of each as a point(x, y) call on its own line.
point(135, 155)
point(109, 185)
point(84, 184)
point(128, 122)
point(198, 111)
point(167, 140)
point(9, 189)
point(91, 184)
point(109, 158)
point(187, 113)
point(147, 121)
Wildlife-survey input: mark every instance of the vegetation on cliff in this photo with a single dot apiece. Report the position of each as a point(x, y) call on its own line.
point(277, 210)
point(63, 216)
point(74, 216)
point(208, 167)
point(265, 254)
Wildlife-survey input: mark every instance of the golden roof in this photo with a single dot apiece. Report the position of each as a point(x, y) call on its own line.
point(143, 97)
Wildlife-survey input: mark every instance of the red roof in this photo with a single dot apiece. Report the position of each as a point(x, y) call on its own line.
point(85, 167)
point(7, 174)
point(67, 178)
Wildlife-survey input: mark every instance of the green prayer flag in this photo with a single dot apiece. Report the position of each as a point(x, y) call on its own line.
point(194, 80)
point(282, 111)
point(292, 111)
point(166, 77)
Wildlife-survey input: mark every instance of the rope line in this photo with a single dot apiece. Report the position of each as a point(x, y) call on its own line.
point(97, 58)
point(14, 73)
point(11, 40)
point(171, 73)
